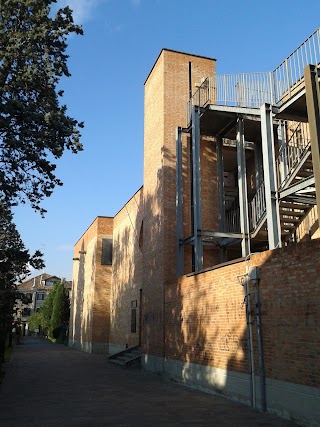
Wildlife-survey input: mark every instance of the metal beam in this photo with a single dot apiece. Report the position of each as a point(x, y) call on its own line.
point(307, 200)
point(188, 240)
point(219, 235)
point(296, 170)
point(221, 196)
point(269, 171)
point(242, 184)
point(179, 204)
point(258, 167)
point(196, 189)
point(301, 185)
point(283, 166)
point(311, 78)
point(236, 110)
point(220, 177)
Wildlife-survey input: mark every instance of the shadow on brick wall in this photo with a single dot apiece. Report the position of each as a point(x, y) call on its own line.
point(195, 326)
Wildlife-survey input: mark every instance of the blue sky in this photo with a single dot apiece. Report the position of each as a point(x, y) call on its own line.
point(109, 65)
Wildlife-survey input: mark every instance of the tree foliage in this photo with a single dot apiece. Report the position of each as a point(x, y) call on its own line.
point(54, 312)
point(60, 307)
point(15, 261)
point(46, 309)
point(35, 320)
point(34, 127)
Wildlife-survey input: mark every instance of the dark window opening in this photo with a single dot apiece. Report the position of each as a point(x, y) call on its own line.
point(141, 237)
point(134, 316)
point(106, 253)
point(26, 311)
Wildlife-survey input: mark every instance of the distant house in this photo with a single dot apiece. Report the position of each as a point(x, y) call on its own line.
point(33, 293)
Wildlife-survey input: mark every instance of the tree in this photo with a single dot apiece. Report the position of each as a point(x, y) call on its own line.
point(60, 309)
point(35, 320)
point(15, 261)
point(54, 313)
point(34, 128)
point(46, 310)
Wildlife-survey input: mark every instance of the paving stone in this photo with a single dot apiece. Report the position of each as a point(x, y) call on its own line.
point(52, 385)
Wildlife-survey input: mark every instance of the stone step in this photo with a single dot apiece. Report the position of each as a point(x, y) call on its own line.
point(124, 357)
point(116, 362)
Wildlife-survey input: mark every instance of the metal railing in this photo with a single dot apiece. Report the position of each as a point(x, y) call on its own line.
point(244, 90)
point(205, 94)
point(254, 89)
point(289, 74)
point(232, 223)
point(292, 152)
point(258, 207)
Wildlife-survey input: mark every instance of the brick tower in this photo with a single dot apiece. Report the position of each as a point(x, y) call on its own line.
point(167, 91)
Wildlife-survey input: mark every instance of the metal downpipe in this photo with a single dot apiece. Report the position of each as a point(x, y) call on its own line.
point(250, 343)
point(260, 347)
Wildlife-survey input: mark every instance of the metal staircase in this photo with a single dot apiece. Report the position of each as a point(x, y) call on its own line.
point(296, 188)
point(248, 108)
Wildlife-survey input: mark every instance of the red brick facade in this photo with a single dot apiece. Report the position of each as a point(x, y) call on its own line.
point(206, 319)
point(198, 320)
point(90, 305)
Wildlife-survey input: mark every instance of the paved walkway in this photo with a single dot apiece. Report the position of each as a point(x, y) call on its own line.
point(51, 385)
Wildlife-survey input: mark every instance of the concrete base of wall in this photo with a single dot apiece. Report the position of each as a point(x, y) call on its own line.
point(81, 346)
point(89, 347)
point(291, 401)
point(100, 348)
point(234, 385)
point(115, 348)
point(296, 402)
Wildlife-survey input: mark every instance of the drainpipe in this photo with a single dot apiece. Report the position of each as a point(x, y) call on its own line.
point(254, 277)
point(249, 343)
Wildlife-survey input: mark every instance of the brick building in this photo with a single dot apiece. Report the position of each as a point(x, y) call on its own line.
point(212, 267)
point(32, 294)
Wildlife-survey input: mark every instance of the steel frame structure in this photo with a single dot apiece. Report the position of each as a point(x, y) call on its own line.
point(272, 128)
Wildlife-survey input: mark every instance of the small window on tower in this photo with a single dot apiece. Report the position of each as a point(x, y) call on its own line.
point(106, 253)
point(133, 317)
point(141, 237)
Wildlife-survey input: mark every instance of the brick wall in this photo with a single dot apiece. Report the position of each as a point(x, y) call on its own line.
point(206, 323)
point(127, 272)
point(290, 295)
point(166, 96)
point(102, 287)
point(90, 313)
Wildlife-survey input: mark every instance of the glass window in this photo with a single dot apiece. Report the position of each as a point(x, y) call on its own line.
point(133, 317)
point(106, 252)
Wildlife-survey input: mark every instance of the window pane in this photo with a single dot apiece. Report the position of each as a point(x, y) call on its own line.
point(106, 255)
point(133, 320)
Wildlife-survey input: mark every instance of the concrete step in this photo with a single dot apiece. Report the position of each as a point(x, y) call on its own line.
point(136, 352)
point(116, 362)
point(127, 357)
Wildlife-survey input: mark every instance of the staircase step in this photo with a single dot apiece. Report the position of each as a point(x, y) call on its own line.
point(125, 358)
point(303, 174)
point(288, 226)
point(285, 233)
point(293, 212)
point(117, 362)
point(291, 205)
point(309, 164)
point(135, 354)
point(289, 219)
